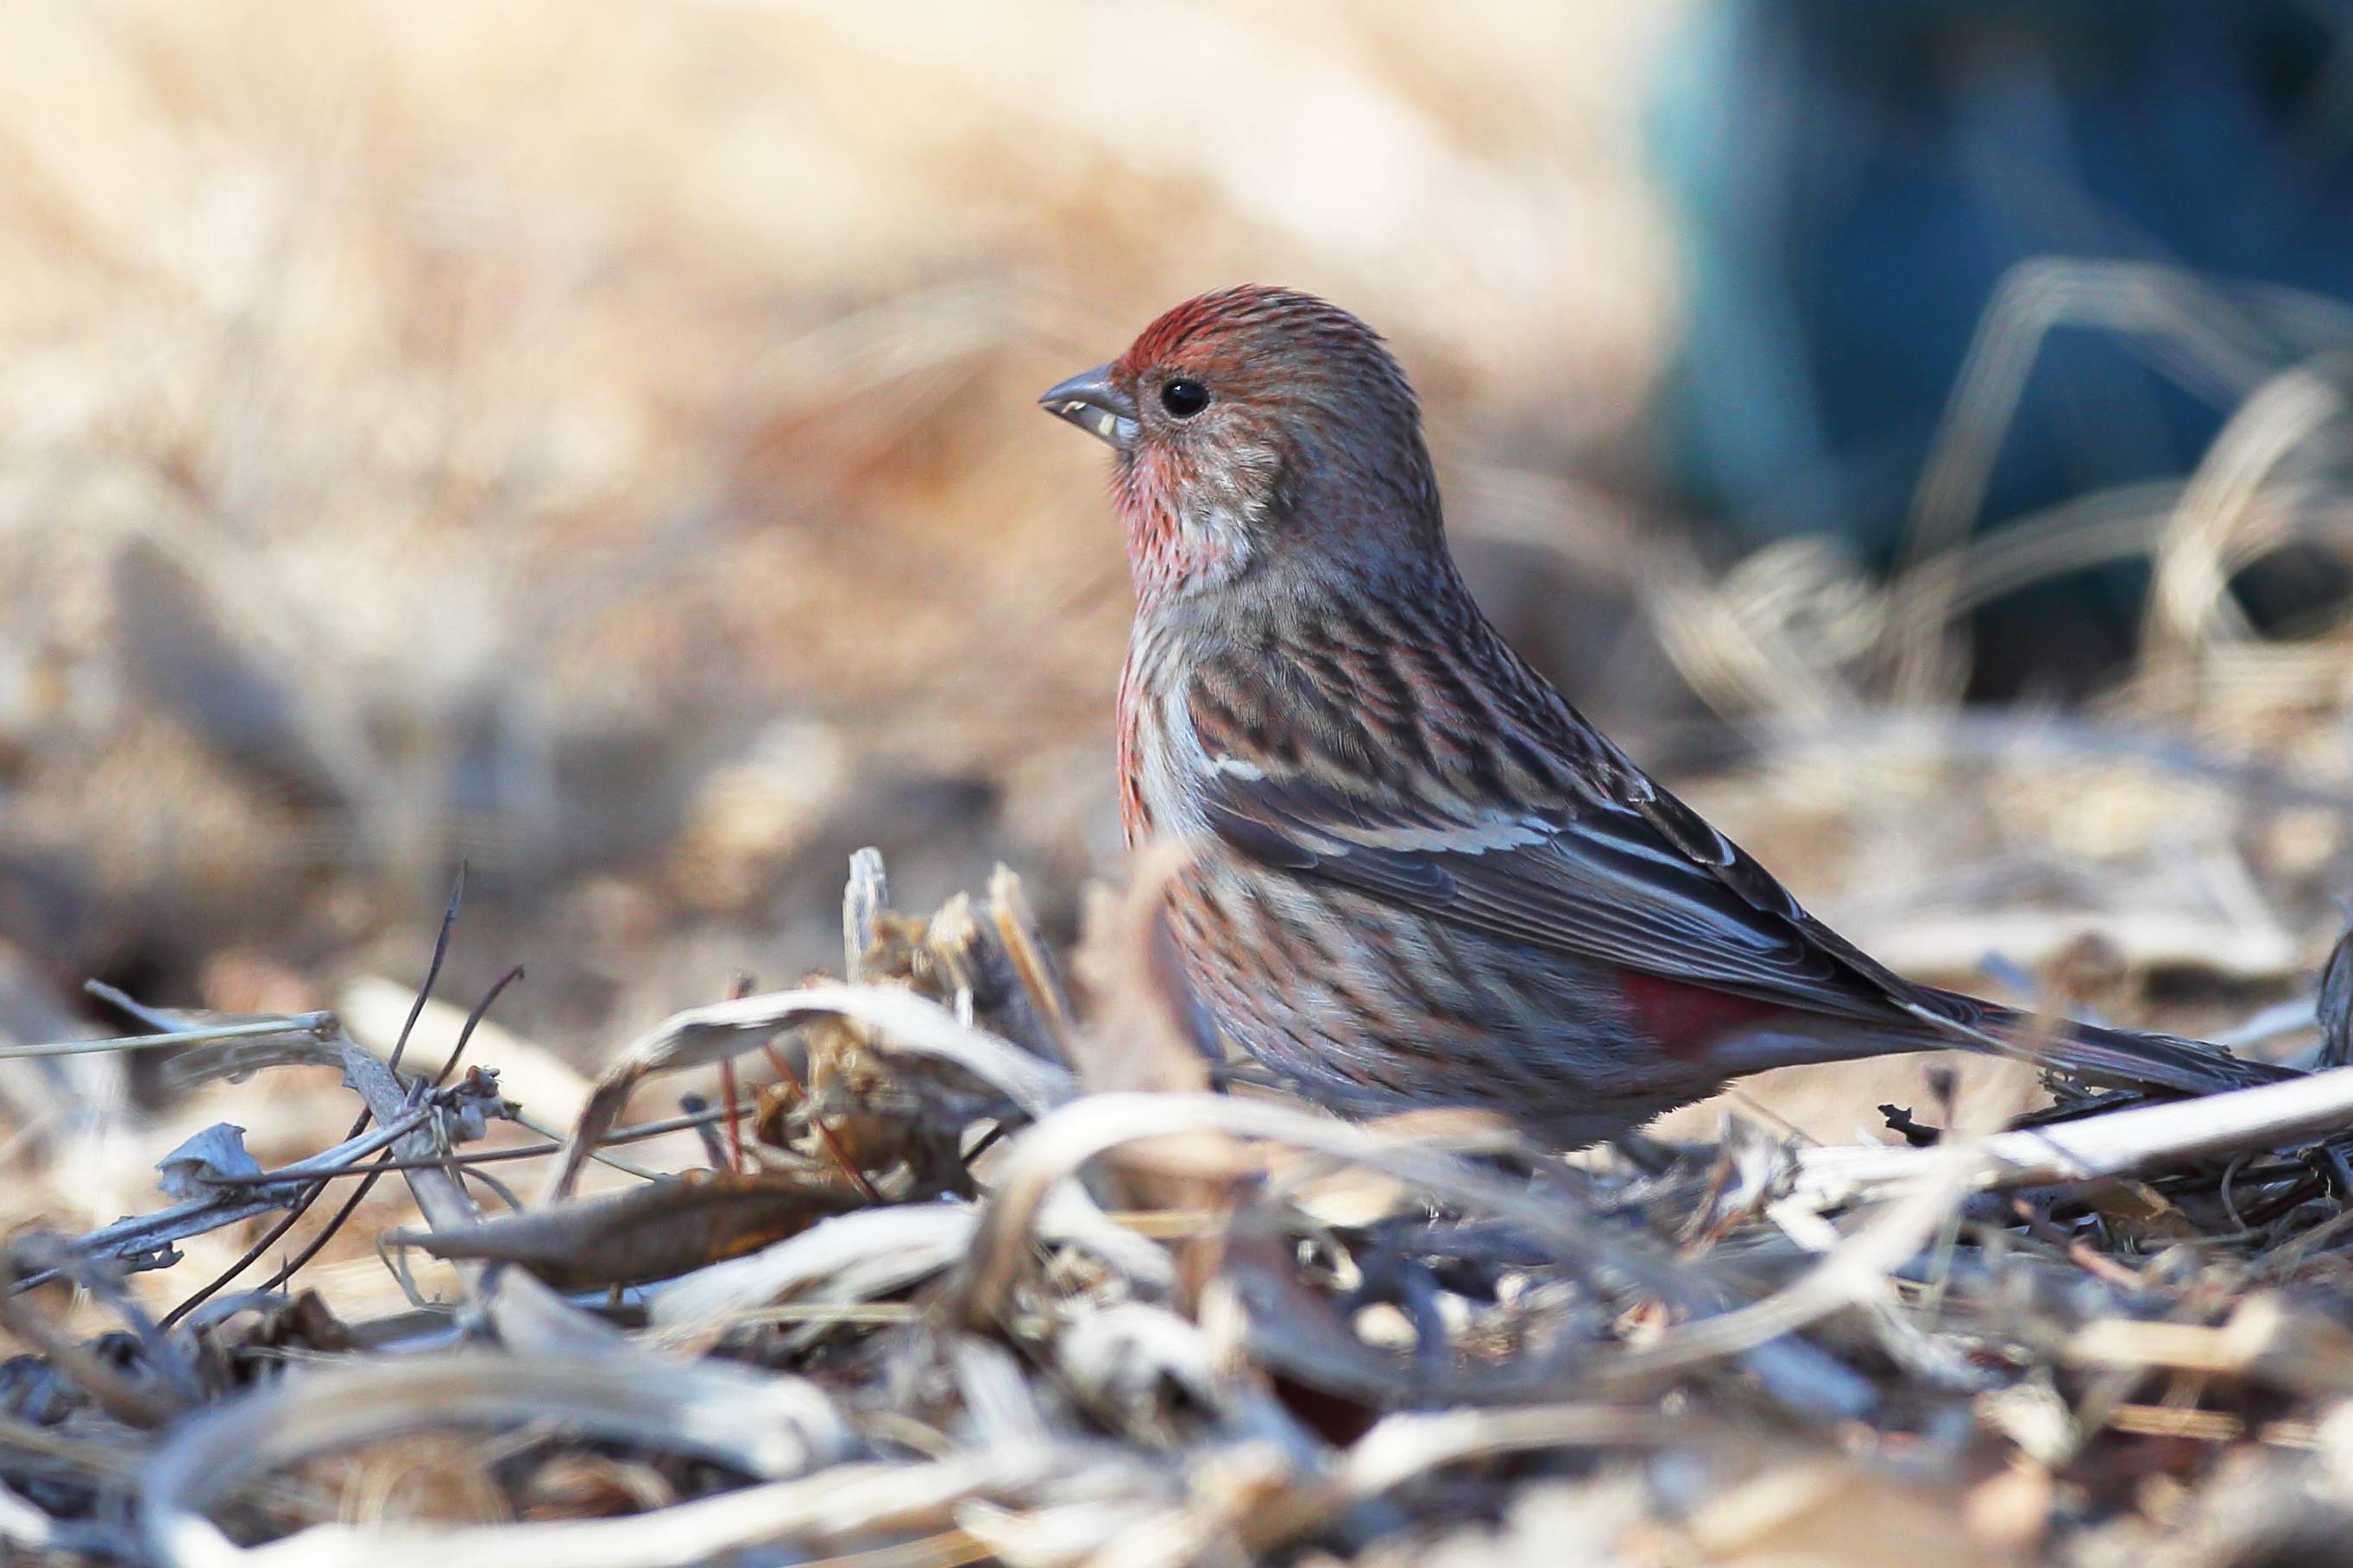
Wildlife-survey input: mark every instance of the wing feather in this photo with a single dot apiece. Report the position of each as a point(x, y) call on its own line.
point(1603, 885)
point(1560, 844)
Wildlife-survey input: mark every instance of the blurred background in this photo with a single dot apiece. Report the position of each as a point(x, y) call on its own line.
point(597, 442)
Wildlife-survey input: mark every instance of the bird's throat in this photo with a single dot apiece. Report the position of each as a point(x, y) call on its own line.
point(1173, 552)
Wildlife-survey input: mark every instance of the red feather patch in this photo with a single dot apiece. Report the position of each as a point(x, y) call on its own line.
point(1687, 1021)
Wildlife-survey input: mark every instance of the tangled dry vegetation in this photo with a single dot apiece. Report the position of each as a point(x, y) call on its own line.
point(420, 444)
point(974, 1272)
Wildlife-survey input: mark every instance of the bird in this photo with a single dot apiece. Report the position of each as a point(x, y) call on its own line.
point(1411, 874)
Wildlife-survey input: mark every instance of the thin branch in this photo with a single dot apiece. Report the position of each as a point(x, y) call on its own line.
point(288, 1269)
point(2118, 1143)
point(473, 1022)
point(316, 1025)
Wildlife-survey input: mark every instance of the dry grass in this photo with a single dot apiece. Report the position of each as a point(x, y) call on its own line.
point(601, 444)
point(598, 444)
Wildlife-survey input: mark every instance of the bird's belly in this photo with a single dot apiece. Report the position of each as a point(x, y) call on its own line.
point(1370, 1008)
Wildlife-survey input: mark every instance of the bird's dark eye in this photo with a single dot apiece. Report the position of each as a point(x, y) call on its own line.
point(1184, 398)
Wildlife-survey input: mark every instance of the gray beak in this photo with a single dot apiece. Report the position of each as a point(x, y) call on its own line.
point(1090, 401)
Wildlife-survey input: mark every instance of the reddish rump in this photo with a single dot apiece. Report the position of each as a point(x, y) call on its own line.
point(1685, 1021)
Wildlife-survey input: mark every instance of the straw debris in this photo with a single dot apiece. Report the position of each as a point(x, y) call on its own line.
point(1056, 1325)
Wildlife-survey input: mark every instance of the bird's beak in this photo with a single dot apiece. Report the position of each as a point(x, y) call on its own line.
point(1090, 401)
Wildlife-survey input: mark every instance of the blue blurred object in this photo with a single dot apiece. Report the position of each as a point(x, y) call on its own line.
point(1854, 178)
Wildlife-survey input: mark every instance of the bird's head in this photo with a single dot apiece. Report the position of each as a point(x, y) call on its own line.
point(1260, 429)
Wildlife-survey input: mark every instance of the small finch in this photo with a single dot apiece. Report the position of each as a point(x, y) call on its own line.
point(1416, 876)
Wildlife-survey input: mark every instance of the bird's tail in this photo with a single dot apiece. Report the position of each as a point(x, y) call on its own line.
point(2117, 1058)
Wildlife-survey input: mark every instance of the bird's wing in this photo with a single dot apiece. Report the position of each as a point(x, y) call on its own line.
point(1626, 877)
point(1580, 853)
